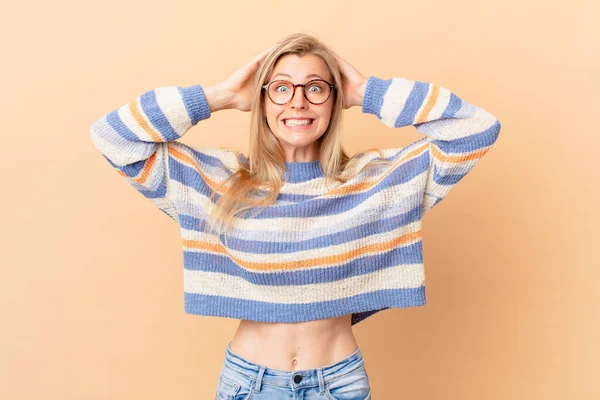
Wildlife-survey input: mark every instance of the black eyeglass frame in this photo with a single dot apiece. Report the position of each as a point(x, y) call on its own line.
point(331, 90)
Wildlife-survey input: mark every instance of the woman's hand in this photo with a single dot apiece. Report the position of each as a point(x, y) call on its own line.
point(354, 84)
point(236, 91)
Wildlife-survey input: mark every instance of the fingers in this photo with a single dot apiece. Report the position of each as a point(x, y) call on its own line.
point(347, 70)
point(339, 59)
point(343, 64)
point(262, 55)
point(244, 73)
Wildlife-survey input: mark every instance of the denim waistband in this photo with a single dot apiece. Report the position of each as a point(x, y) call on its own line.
point(291, 379)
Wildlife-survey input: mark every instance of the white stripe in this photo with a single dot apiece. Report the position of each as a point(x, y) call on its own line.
point(395, 99)
point(219, 284)
point(157, 172)
point(171, 103)
point(127, 118)
point(106, 139)
point(456, 128)
point(330, 251)
point(402, 198)
point(215, 173)
point(440, 105)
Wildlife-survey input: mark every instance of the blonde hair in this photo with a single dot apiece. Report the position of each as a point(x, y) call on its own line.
point(262, 173)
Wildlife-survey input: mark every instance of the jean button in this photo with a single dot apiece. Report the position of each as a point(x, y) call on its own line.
point(297, 378)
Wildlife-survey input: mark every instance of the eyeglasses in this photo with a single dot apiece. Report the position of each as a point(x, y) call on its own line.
point(316, 91)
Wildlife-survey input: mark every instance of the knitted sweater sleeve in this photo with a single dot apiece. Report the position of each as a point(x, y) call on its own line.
point(137, 138)
point(457, 133)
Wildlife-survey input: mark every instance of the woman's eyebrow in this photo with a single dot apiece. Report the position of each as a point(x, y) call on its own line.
point(307, 77)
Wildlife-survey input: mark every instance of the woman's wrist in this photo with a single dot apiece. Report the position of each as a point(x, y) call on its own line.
point(218, 98)
point(360, 93)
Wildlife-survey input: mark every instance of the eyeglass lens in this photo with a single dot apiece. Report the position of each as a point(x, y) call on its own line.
point(315, 91)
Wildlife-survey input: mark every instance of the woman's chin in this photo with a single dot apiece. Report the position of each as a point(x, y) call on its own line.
point(296, 140)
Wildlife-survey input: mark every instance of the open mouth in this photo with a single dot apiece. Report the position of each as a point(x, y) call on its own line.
point(298, 123)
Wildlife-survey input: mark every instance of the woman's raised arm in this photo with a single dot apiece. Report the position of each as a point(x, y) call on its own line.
point(138, 138)
point(458, 133)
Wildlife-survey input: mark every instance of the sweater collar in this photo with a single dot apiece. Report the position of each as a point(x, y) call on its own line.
point(301, 171)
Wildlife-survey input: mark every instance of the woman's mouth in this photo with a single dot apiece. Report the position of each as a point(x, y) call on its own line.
point(298, 123)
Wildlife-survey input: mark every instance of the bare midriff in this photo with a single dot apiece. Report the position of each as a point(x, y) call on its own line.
point(295, 346)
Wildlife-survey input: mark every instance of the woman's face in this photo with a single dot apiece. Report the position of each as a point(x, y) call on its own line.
point(299, 142)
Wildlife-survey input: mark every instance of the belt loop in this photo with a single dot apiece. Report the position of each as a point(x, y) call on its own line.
point(321, 380)
point(258, 383)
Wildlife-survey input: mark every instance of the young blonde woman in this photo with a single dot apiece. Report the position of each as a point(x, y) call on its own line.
point(298, 240)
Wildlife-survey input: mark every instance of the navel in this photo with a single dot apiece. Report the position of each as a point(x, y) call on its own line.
point(295, 359)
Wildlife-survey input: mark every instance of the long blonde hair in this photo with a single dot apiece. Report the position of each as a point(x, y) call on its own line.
point(262, 173)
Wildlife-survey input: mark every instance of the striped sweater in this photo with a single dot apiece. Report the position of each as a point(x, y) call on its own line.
point(320, 251)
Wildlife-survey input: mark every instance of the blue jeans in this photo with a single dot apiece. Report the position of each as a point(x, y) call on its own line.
point(241, 379)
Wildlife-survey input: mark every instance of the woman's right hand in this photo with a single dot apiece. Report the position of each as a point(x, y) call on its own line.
point(237, 90)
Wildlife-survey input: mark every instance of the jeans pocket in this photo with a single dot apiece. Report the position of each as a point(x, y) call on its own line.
point(352, 386)
point(226, 388)
point(232, 386)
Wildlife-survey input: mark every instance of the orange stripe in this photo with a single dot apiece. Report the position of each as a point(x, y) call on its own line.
point(156, 137)
point(435, 91)
point(190, 161)
point(358, 187)
point(145, 172)
point(141, 121)
point(457, 158)
point(307, 262)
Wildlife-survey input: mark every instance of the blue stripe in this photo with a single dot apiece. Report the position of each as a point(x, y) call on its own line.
point(466, 144)
point(445, 179)
point(289, 313)
point(195, 103)
point(189, 176)
point(316, 206)
point(374, 95)
point(370, 262)
point(323, 241)
point(207, 159)
point(453, 106)
point(323, 206)
point(156, 116)
point(132, 170)
point(414, 101)
point(121, 129)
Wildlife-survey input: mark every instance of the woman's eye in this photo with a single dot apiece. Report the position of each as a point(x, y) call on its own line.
point(317, 88)
point(281, 87)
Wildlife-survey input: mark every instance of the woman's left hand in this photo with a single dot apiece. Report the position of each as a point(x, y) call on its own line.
point(354, 84)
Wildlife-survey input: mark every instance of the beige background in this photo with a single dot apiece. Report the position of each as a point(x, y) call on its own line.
point(92, 291)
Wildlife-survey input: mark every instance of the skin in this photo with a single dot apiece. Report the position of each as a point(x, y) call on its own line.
point(299, 144)
point(311, 344)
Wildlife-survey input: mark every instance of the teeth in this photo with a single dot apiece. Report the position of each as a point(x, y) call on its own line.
point(297, 122)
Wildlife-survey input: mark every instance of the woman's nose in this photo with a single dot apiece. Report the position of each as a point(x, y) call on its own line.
point(298, 99)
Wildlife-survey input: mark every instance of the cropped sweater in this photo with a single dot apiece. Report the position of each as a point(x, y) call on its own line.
point(321, 250)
